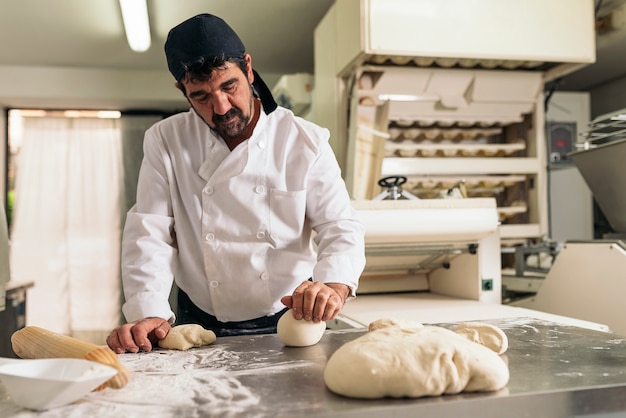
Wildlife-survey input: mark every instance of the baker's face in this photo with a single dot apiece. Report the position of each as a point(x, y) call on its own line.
point(225, 101)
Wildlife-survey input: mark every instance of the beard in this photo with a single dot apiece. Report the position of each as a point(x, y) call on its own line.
point(231, 124)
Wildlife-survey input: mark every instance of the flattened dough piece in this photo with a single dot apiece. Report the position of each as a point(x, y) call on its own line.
point(184, 337)
point(401, 362)
point(488, 335)
point(390, 322)
point(299, 333)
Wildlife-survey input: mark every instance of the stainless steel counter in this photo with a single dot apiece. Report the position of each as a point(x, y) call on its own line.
point(556, 371)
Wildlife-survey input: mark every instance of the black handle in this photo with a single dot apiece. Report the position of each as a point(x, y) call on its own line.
point(391, 181)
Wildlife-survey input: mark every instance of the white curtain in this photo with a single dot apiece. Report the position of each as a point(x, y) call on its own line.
point(66, 229)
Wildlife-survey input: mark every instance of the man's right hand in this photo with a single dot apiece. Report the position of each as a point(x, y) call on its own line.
point(138, 335)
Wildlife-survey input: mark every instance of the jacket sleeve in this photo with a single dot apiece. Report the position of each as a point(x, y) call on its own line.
point(148, 243)
point(339, 235)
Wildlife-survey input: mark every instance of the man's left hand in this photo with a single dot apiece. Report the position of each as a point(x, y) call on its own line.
point(315, 301)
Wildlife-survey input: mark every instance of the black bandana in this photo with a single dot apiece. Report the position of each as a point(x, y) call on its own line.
point(207, 36)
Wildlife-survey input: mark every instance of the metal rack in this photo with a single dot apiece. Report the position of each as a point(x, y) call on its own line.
point(603, 129)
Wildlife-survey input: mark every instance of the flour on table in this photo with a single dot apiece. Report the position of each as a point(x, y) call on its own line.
point(397, 361)
point(215, 380)
point(184, 337)
point(299, 333)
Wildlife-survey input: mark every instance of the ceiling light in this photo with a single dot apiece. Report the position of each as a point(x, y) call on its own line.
point(109, 114)
point(135, 16)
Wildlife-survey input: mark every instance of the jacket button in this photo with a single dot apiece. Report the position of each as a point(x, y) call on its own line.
point(265, 276)
point(259, 189)
point(209, 190)
point(214, 283)
point(209, 237)
point(260, 234)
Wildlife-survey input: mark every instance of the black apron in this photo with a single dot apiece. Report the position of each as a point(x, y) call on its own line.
point(189, 313)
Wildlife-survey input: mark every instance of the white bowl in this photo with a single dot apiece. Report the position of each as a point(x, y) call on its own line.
point(48, 383)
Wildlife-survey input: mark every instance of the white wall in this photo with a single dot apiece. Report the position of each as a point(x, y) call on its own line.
point(87, 88)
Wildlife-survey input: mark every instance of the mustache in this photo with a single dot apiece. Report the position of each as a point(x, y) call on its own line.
point(218, 119)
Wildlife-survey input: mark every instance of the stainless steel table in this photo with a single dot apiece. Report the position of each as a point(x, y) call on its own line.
point(556, 371)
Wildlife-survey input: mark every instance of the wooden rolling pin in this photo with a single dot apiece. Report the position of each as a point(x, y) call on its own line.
point(33, 342)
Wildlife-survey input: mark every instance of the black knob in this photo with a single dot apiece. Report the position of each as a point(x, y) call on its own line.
point(391, 181)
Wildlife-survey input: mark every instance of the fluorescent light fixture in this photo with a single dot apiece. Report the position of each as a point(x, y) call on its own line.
point(38, 113)
point(135, 16)
point(100, 114)
point(109, 114)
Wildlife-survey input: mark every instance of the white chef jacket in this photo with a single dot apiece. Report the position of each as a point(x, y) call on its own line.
point(234, 227)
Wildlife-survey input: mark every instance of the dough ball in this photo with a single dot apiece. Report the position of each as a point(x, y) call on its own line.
point(488, 335)
point(399, 362)
point(184, 337)
point(299, 333)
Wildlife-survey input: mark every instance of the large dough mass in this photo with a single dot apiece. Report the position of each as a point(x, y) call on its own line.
point(299, 333)
point(184, 337)
point(396, 360)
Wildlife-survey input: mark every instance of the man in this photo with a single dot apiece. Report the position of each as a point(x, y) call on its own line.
point(229, 198)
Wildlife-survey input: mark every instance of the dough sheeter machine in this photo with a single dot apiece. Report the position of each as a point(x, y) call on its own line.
point(433, 261)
